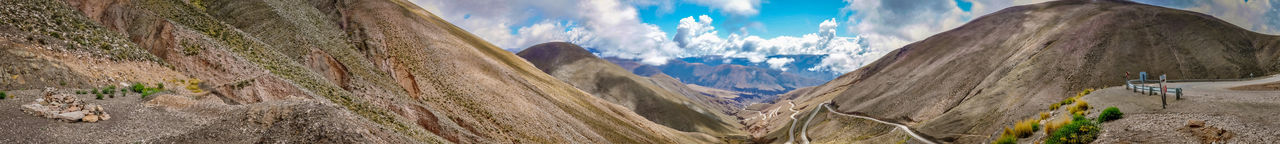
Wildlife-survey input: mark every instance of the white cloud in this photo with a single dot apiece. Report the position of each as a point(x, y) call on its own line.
point(735, 7)
point(777, 63)
point(1256, 15)
point(697, 38)
point(611, 25)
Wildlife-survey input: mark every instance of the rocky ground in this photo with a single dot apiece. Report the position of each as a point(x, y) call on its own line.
point(1209, 112)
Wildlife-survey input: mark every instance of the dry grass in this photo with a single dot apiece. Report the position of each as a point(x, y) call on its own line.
point(1026, 127)
point(1081, 107)
point(1044, 115)
point(1054, 125)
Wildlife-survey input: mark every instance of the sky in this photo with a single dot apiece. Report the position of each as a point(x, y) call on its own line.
point(852, 33)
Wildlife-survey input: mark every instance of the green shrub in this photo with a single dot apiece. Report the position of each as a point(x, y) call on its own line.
point(149, 91)
point(1006, 139)
point(1109, 114)
point(94, 91)
point(160, 86)
point(1054, 125)
point(99, 96)
point(1077, 132)
point(138, 87)
point(3, 95)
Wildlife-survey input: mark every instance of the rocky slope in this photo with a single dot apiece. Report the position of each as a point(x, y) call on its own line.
point(963, 85)
point(296, 71)
point(580, 68)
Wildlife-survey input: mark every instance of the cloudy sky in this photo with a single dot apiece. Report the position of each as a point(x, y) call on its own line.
point(851, 32)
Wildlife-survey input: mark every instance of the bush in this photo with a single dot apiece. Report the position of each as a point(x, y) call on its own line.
point(3, 95)
point(1025, 128)
point(1077, 132)
point(1081, 107)
point(1006, 139)
point(1054, 125)
point(1109, 114)
point(1055, 106)
point(149, 91)
point(99, 95)
point(1084, 92)
point(1067, 101)
point(1044, 115)
point(94, 91)
point(137, 87)
point(194, 86)
point(160, 86)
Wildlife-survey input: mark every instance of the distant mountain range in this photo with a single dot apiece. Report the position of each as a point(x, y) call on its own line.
point(737, 74)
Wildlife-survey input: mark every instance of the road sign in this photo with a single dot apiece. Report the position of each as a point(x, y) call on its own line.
point(1142, 76)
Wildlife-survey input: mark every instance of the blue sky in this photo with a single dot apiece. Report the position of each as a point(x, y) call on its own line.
point(851, 32)
point(777, 18)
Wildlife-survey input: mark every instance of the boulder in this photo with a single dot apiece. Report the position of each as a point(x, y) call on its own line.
point(65, 107)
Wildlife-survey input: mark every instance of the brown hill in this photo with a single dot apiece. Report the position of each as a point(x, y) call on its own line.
point(580, 68)
point(963, 85)
point(342, 71)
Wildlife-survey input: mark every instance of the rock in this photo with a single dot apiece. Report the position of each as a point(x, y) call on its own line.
point(72, 108)
point(71, 116)
point(90, 118)
point(106, 116)
point(1195, 123)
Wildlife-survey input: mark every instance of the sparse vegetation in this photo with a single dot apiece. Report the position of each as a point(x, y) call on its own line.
point(193, 85)
point(1006, 139)
point(1055, 106)
point(137, 87)
point(1109, 114)
point(1081, 107)
point(1079, 131)
point(1026, 127)
point(1054, 125)
point(1084, 92)
point(1044, 115)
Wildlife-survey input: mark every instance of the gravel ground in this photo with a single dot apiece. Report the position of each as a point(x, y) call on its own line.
point(1249, 115)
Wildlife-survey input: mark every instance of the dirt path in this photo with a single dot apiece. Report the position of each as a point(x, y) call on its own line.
point(1249, 115)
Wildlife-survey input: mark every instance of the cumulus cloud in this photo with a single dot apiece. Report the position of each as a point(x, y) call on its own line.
point(736, 7)
point(612, 26)
point(777, 63)
point(697, 38)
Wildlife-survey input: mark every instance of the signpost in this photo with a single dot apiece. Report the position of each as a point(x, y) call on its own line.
point(1163, 90)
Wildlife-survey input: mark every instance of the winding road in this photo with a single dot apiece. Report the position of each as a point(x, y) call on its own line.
point(805, 128)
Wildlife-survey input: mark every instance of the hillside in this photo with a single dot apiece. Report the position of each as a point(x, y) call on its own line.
point(965, 84)
point(291, 72)
point(580, 68)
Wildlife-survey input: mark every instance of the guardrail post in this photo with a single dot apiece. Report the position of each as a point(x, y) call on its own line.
point(1179, 94)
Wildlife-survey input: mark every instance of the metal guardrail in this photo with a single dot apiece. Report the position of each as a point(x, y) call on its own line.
point(1153, 90)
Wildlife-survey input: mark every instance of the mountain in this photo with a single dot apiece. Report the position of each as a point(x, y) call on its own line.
point(580, 68)
point(760, 82)
point(965, 84)
point(325, 71)
point(799, 65)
